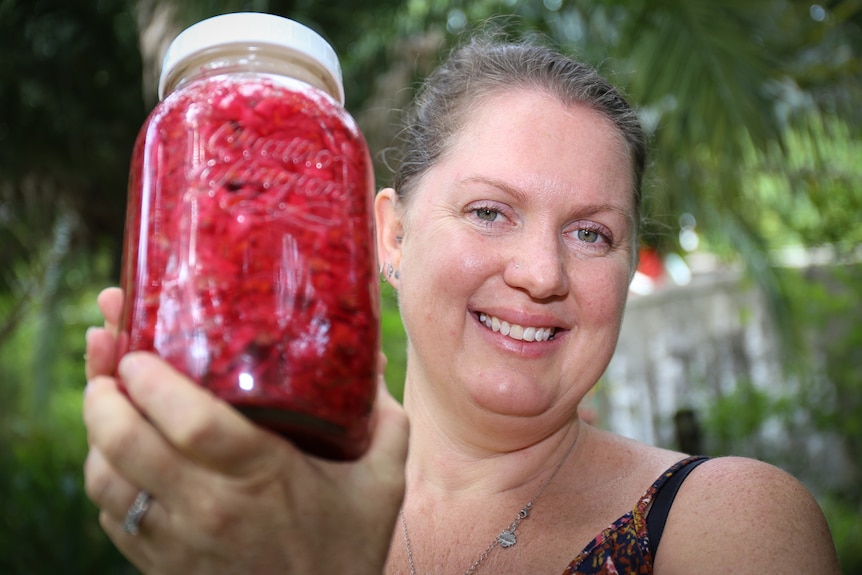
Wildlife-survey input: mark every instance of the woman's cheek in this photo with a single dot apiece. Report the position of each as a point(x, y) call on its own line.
point(604, 290)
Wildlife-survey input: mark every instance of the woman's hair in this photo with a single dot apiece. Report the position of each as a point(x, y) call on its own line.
point(485, 67)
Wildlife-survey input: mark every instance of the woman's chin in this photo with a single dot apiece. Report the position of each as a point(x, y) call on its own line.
point(510, 396)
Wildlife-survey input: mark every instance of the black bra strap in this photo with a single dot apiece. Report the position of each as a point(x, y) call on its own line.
point(662, 501)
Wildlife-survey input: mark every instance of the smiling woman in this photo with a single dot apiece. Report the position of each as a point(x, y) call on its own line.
point(483, 207)
point(510, 237)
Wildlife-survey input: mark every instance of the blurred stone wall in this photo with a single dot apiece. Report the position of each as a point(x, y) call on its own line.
point(681, 349)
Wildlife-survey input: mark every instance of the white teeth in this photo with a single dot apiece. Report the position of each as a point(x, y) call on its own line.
point(515, 331)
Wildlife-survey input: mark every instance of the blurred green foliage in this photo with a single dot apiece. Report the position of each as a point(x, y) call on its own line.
point(393, 341)
point(822, 401)
point(47, 525)
point(843, 513)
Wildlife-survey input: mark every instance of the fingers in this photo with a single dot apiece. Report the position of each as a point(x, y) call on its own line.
point(133, 547)
point(110, 302)
point(113, 493)
point(199, 425)
point(101, 348)
point(120, 435)
point(106, 488)
point(101, 342)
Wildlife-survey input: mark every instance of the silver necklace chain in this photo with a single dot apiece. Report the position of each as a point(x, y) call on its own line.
point(507, 537)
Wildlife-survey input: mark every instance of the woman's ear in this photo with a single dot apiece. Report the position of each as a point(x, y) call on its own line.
point(390, 231)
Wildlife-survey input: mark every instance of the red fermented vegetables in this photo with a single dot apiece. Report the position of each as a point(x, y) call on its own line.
point(248, 259)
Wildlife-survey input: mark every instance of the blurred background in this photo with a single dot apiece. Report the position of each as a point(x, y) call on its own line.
point(744, 328)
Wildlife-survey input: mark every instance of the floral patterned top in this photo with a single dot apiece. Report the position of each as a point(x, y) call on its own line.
point(625, 547)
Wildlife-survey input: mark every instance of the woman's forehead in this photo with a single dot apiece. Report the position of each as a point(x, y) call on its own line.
point(535, 136)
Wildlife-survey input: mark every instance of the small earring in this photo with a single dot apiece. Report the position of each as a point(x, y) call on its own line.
point(389, 270)
point(517, 266)
point(397, 275)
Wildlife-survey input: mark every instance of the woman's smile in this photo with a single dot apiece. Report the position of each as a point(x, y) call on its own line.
point(516, 331)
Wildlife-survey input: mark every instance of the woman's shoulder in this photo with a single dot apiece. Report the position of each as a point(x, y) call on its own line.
point(643, 463)
point(740, 515)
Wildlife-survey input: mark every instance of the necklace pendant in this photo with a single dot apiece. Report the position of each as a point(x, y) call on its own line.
point(507, 539)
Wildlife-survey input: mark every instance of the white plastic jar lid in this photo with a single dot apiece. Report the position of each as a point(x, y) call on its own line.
point(252, 28)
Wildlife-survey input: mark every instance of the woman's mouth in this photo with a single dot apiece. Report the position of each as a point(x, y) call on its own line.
point(515, 331)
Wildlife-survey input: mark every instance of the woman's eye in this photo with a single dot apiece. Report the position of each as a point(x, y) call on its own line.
point(588, 236)
point(487, 214)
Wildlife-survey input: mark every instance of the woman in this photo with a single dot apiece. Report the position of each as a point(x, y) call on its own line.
point(510, 236)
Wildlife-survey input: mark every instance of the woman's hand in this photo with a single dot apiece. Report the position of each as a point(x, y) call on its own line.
point(228, 496)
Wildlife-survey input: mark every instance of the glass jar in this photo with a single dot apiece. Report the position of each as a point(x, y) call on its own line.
point(249, 260)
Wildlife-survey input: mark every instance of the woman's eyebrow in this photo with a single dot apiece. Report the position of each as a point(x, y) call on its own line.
point(501, 185)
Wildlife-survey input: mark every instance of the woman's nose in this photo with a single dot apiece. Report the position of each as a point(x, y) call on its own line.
point(536, 266)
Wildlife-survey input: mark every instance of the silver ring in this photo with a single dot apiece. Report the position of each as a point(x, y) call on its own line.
point(136, 513)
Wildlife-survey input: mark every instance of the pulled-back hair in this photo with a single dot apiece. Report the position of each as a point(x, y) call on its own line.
point(485, 67)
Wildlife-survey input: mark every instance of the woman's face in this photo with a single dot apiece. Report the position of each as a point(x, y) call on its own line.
point(515, 259)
